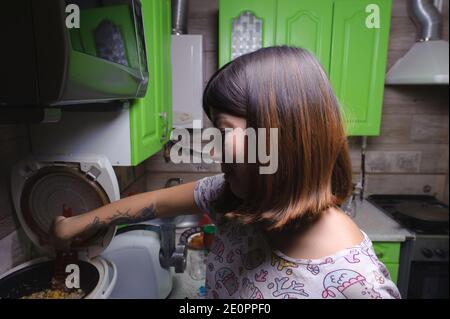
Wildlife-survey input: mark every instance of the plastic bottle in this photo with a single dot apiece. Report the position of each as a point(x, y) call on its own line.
point(209, 232)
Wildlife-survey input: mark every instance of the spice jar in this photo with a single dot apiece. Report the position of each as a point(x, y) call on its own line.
point(209, 232)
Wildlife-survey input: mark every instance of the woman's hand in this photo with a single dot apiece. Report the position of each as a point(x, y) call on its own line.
point(58, 234)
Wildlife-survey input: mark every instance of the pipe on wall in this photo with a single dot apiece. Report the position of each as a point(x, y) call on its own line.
point(427, 19)
point(179, 16)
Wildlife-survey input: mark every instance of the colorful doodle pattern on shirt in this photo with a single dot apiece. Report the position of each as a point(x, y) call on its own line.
point(241, 265)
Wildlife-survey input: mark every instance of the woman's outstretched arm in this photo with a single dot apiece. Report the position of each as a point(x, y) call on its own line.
point(167, 202)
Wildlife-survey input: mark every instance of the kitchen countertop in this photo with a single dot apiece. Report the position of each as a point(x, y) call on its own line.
point(379, 226)
point(376, 224)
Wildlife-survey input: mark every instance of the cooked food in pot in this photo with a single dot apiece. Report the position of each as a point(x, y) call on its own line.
point(57, 289)
point(56, 294)
point(36, 281)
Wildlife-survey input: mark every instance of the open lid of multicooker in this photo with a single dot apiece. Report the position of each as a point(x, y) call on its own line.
point(46, 187)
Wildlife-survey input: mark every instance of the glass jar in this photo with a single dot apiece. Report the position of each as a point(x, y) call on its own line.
point(197, 263)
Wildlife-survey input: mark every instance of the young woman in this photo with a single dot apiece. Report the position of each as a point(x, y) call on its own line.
point(280, 235)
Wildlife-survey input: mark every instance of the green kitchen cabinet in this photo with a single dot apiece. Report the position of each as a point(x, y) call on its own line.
point(358, 64)
point(307, 24)
point(236, 17)
point(389, 254)
point(352, 52)
point(150, 116)
point(129, 134)
point(393, 271)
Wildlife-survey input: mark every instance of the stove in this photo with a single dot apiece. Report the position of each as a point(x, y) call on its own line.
point(397, 206)
point(424, 260)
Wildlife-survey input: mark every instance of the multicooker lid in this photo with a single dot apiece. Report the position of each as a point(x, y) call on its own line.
point(44, 188)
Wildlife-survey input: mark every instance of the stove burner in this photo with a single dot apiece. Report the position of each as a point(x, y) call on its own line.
point(418, 213)
point(424, 211)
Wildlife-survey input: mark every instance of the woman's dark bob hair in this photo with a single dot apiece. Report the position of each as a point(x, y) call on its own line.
point(285, 88)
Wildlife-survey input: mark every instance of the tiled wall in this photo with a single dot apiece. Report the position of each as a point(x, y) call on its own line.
point(412, 151)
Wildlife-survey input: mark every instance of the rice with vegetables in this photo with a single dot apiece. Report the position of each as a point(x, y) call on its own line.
point(56, 294)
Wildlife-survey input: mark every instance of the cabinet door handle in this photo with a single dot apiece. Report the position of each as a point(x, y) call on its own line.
point(163, 115)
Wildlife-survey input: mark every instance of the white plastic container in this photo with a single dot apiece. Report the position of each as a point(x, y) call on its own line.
point(140, 276)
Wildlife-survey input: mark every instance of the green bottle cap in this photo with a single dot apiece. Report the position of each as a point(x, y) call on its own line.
point(209, 229)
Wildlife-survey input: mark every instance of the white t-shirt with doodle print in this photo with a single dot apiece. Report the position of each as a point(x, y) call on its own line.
point(241, 264)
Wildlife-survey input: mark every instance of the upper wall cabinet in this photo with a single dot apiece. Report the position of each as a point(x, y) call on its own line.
point(349, 37)
point(151, 116)
point(358, 64)
point(130, 134)
point(245, 26)
point(307, 24)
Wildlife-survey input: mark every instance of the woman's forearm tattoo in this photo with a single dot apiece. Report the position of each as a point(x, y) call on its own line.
point(120, 218)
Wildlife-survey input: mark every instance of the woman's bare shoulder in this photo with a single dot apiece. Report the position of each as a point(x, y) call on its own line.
point(335, 231)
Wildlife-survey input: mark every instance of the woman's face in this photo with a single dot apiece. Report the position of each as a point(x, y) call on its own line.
point(236, 174)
